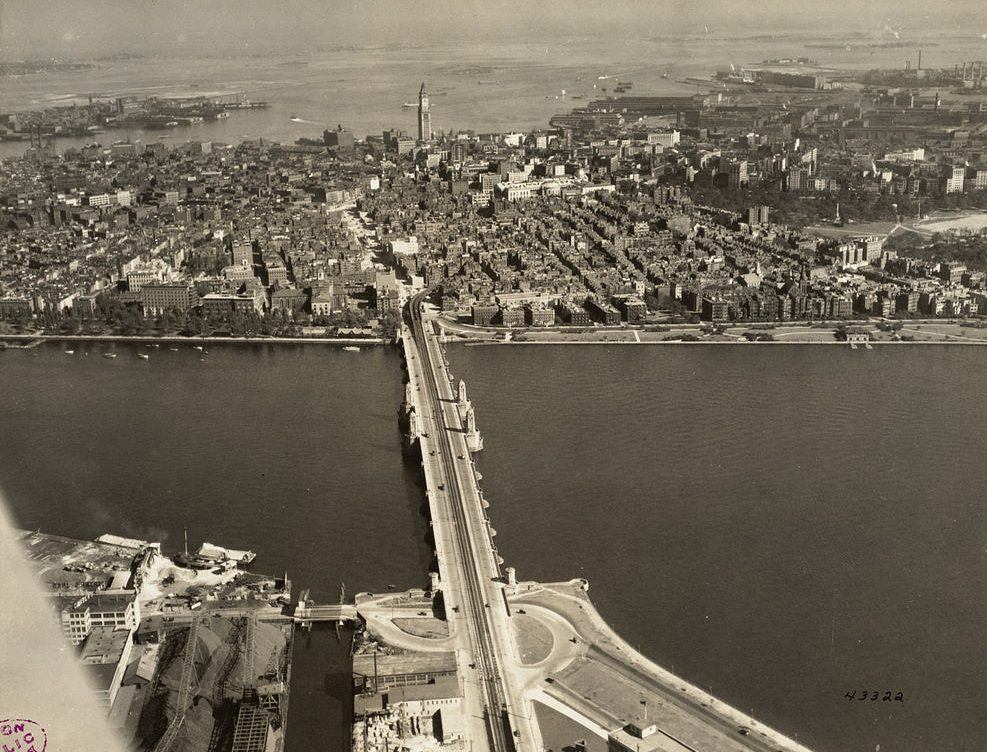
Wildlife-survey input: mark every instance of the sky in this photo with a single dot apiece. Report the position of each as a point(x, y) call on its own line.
point(74, 29)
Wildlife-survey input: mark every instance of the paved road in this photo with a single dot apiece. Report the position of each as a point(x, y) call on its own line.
point(703, 721)
point(469, 560)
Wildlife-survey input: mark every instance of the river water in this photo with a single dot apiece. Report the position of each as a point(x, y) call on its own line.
point(292, 451)
point(783, 524)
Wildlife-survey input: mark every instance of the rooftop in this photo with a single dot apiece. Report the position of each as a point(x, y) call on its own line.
point(443, 688)
point(104, 645)
point(72, 564)
point(404, 663)
point(656, 742)
point(102, 603)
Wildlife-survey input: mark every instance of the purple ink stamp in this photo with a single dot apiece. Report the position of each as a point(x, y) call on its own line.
point(22, 735)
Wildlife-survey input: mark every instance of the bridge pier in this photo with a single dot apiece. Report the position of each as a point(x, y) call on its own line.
point(464, 408)
point(408, 417)
point(474, 441)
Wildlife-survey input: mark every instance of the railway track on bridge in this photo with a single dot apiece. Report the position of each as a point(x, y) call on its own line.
point(476, 603)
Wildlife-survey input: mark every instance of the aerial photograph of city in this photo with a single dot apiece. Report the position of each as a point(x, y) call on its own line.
point(457, 376)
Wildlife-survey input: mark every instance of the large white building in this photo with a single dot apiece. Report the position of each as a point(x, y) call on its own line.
point(908, 155)
point(406, 247)
point(139, 272)
point(954, 183)
point(113, 610)
point(667, 140)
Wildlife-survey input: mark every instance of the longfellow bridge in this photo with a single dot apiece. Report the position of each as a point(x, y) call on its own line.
point(471, 580)
point(587, 672)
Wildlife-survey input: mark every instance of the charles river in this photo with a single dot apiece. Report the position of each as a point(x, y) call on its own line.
point(782, 524)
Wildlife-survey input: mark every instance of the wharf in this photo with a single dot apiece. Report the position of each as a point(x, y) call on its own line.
point(202, 652)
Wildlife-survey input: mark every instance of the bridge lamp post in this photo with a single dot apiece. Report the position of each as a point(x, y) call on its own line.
point(519, 715)
point(474, 715)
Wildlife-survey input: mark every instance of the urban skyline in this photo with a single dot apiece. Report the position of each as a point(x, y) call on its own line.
point(780, 200)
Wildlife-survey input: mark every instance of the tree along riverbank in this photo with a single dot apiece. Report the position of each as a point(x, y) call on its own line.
point(348, 341)
point(897, 331)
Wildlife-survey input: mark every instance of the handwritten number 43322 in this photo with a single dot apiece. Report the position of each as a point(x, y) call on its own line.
point(873, 696)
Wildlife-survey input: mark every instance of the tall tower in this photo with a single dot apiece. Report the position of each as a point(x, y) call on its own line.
point(424, 118)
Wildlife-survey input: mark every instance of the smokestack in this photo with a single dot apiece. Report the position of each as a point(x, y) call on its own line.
point(920, 60)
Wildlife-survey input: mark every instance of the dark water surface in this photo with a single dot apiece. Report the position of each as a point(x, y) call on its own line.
point(783, 524)
point(292, 451)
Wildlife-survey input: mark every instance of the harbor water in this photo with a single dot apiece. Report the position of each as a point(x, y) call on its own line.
point(364, 89)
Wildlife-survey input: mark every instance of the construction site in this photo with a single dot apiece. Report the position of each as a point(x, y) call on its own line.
point(406, 698)
point(221, 685)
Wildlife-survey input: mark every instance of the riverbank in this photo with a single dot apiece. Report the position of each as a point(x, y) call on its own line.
point(592, 338)
point(569, 660)
point(600, 681)
point(925, 331)
point(856, 345)
point(347, 341)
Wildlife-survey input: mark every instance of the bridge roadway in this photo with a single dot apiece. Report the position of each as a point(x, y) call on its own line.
point(339, 612)
point(468, 564)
